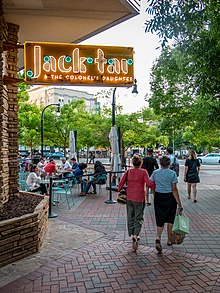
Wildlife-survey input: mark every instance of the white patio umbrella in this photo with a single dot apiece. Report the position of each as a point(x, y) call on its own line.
point(72, 145)
point(115, 156)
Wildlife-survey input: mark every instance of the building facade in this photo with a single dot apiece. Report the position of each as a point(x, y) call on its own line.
point(45, 95)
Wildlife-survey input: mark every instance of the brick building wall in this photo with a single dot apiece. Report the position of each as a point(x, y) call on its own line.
point(8, 113)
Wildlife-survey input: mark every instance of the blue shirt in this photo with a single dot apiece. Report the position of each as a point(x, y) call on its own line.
point(172, 159)
point(75, 166)
point(164, 178)
point(78, 173)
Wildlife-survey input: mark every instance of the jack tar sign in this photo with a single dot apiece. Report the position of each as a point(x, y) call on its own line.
point(73, 64)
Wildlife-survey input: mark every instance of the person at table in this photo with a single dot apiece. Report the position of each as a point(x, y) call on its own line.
point(33, 181)
point(50, 167)
point(78, 175)
point(66, 166)
point(99, 169)
point(41, 165)
point(74, 164)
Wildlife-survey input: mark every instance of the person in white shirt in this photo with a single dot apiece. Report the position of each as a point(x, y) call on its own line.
point(33, 181)
point(41, 165)
point(66, 165)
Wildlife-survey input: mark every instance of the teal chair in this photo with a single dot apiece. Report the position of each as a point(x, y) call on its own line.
point(64, 194)
point(101, 182)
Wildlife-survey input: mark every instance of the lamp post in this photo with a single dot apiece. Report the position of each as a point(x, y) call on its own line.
point(112, 179)
point(42, 125)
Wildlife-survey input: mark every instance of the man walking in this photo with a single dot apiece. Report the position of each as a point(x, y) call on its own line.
point(174, 163)
point(150, 164)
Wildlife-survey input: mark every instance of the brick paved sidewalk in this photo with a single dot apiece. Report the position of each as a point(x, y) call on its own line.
point(108, 265)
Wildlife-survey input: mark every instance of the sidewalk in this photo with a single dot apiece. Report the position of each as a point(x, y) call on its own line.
point(87, 250)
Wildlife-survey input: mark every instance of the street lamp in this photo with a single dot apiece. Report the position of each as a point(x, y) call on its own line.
point(134, 92)
point(42, 125)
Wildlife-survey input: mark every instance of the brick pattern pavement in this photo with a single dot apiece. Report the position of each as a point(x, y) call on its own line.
point(204, 237)
point(110, 266)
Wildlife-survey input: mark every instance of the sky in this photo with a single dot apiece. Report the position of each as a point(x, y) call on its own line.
point(131, 33)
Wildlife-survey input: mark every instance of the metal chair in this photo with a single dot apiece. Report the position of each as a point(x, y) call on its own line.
point(101, 182)
point(65, 191)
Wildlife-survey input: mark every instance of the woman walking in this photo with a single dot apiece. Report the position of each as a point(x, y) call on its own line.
point(136, 180)
point(191, 174)
point(166, 199)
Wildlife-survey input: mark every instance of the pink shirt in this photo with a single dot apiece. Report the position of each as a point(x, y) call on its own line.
point(137, 178)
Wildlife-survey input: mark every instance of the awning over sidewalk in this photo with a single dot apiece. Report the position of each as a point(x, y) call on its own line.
point(66, 21)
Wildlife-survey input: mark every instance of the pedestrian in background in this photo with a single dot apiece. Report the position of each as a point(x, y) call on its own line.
point(150, 164)
point(136, 180)
point(191, 173)
point(166, 199)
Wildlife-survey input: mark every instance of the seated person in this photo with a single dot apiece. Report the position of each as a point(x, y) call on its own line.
point(50, 167)
point(99, 169)
point(78, 175)
point(65, 167)
point(74, 164)
point(33, 181)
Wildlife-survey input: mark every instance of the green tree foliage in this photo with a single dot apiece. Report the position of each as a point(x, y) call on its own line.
point(186, 79)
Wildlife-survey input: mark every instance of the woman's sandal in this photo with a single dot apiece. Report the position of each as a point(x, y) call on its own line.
point(189, 197)
point(135, 240)
point(158, 246)
point(169, 243)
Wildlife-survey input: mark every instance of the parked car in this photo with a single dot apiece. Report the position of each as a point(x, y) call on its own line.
point(211, 158)
point(56, 156)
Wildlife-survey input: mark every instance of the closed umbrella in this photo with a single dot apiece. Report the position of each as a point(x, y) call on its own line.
point(115, 156)
point(72, 145)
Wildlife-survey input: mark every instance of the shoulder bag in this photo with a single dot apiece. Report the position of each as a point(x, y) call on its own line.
point(122, 196)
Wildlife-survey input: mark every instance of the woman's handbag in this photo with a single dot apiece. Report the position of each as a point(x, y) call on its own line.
point(122, 196)
point(181, 224)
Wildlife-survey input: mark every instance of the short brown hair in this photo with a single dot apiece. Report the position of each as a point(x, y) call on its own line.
point(136, 161)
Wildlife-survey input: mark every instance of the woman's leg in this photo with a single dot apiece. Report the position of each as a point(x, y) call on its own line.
point(130, 217)
point(189, 189)
point(42, 188)
point(169, 231)
point(194, 191)
point(159, 232)
point(138, 217)
point(158, 244)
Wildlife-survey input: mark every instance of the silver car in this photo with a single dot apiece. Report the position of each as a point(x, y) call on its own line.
point(211, 158)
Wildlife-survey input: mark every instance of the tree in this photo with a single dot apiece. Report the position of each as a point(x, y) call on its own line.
point(186, 77)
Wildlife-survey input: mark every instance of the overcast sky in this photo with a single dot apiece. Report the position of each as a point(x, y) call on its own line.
point(131, 33)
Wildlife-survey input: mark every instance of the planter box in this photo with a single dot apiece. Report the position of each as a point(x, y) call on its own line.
point(22, 236)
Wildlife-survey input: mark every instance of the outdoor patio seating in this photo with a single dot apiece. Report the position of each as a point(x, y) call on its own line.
point(64, 192)
point(101, 182)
